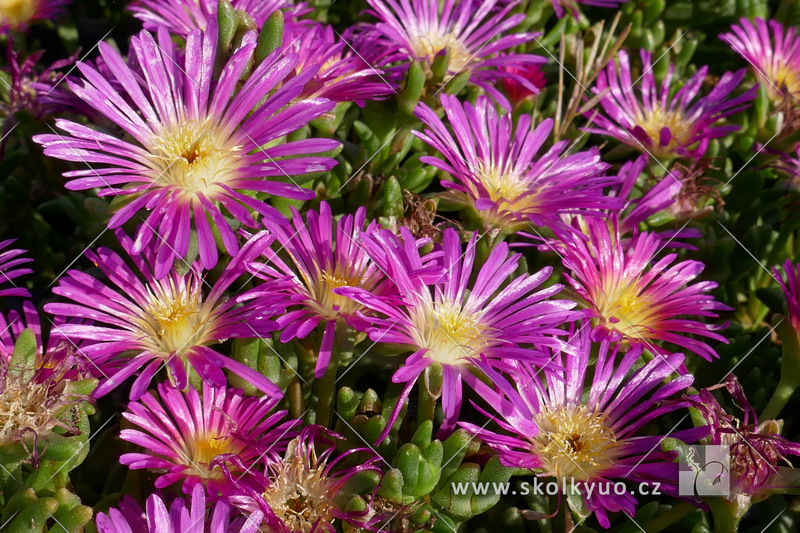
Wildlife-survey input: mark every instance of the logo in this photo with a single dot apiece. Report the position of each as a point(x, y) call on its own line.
point(705, 471)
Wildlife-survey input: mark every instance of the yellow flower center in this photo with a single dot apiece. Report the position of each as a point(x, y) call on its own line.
point(428, 45)
point(16, 12)
point(327, 304)
point(786, 80)
point(203, 449)
point(175, 319)
point(574, 442)
point(25, 408)
point(453, 336)
point(624, 309)
point(655, 120)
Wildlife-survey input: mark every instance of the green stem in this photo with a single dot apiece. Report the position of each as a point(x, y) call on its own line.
point(427, 405)
point(295, 395)
point(669, 517)
point(790, 370)
point(327, 389)
point(724, 520)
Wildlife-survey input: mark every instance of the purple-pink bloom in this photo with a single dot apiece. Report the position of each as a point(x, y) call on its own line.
point(143, 325)
point(638, 112)
point(634, 296)
point(583, 421)
point(774, 53)
point(197, 144)
point(215, 441)
point(180, 517)
point(447, 320)
point(791, 290)
point(10, 261)
point(497, 172)
point(469, 30)
point(18, 14)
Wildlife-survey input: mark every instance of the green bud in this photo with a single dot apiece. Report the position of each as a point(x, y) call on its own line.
point(23, 359)
point(227, 21)
point(415, 84)
point(393, 199)
point(458, 82)
point(271, 36)
point(439, 65)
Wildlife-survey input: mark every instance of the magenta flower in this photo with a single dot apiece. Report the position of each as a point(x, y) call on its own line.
point(18, 14)
point(325, 255)
point(195, 142)
point(643, 115)
point(518, 91)
point(421, 30)
point(635, 297)
point(448, 321)
point(214, 441)
point(496, 170)
point(585, 427)
point(791, 290)
point(140, 326)
point(181, 517)
point(183, 16)
point(774, 53)
point(10, 260)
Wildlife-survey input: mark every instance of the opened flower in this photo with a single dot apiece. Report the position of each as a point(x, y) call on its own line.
point(774, 53)
point(496, 170)
point(448, 321)
point(18, 14)
point(584, 425)
point(640, 113)
point(214, 441)
point(10, 261)
point(144, 325)
point(635, 296)
point(195, 141)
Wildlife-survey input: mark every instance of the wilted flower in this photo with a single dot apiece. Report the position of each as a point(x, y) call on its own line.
point(214, 441)
point(583, 424)
point(774, 53)
point(195, 142)
point(641, 114)
point(497, 172)
point(181, 517)
point(163, 322)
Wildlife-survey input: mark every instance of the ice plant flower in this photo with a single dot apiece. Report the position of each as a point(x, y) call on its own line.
point(182, 16)
point(791, 291)
point(639, 113)
point(214, 441)
point(10, 261)
point(518, 92)
point(496, 170)
point(305, 489)
point(324, 254)
point(195, 143)
point(181, 517)
point(141, 325)
point(468, 30)
point(755, 449)
point(774, 53)
point(18, 14)
point(446, 320)
point(583, 425)
point(635, 296)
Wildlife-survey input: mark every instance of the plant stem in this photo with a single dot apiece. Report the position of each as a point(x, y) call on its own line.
point(669, 517)
point(790, 371)
point(327, 389)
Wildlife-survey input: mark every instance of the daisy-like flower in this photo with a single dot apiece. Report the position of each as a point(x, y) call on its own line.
point(214, 441)
point(182, 16)
point(170, 321)
point(448, 321)
point(774, 53)
point(639, 113)
point(466, 29)
point(304, 493)
point(195, 141)
point(496, 170)
point(10, 261)
point(181, 517)
point(582, 424)
point(325, 255)
point(633, 300)
point(18, 14)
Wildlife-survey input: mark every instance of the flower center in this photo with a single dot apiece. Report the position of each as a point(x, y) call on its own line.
point(194, 157)
point(787, 81)
point(299, 495)
point(25, 408)
point(329, 305)
point(654, 120)
point(428, 45)
point(205, 448)
point(625, 310)
point(452, 336)
point(175, 319)
point(574, 442)
point(16, 12)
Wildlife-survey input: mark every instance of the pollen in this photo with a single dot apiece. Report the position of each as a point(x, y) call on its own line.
point(654, 121)
point(16, 12)
point(326, 303)
point(624, 308)
point(429, 44)
point(203, 449)
point(452, 335)
point(574, 442)
point(25, 408)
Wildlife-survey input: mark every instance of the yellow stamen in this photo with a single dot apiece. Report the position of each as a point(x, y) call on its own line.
point(16, 12)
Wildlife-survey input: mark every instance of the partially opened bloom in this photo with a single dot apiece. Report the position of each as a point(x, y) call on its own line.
point(585, 423)
point(214, 441)
point(518, 92)
point(183, 16)
point(180, 517)
point(469, 30)
point(634, 296)
point(194, 143)
point(143, 325)
point(324, 254)
point(305, 489)
point(446, 320)
point(791, 290)
point(638, 112)
point(18, 14)
point(774, 53)
point(10, 261)
point(496, 170)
